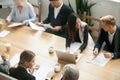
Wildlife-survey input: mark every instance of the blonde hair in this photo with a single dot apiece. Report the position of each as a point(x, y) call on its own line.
point(23, 2)
point(71, 72)
point(109, 19)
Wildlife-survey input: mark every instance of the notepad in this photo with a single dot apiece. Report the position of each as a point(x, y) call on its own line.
point(36, 27)
point(4, 33)
point(99, 60)
point(15, 24)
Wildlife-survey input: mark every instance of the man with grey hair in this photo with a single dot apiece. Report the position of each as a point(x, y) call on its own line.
point(70, 72)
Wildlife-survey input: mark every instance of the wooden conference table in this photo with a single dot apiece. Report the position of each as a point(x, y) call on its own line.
point(39, 42)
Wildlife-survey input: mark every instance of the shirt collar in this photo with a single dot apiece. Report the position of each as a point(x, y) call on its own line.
point(113, 32)
point(59, 6)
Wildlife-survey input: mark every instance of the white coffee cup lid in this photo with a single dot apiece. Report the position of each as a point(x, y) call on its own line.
point(7, 44)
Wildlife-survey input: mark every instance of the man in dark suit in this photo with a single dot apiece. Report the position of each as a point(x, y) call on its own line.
point(5, 65)
point(110, 34)
point(57, 17)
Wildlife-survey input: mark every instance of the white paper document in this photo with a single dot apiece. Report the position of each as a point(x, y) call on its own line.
point(15, 24)
point(90, 58)
point(99, 60)
point(47, 26)
point(1, 60)
point(4, 33)
point(15, 59)
point(1, 22)
point(42, 72)
point(36, 27)
point(74, 47)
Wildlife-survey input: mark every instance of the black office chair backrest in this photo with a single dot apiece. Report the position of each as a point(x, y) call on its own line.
point(6, 77)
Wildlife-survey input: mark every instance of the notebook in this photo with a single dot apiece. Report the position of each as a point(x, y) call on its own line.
point(67, 56)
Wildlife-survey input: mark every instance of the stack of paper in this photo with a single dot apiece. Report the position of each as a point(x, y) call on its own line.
point(4, 33)
point(15, 24)
point(36, 27)
point(99, 60)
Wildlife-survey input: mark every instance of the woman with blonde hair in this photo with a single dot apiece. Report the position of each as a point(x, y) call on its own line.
point(22, 12)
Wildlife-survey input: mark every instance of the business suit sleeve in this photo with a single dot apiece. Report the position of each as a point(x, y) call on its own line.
point(47, 20)
point(68, 42)
point(116, 52)
point(85, 40)
point(5, 67)
point(100, 40)
point(68, 12)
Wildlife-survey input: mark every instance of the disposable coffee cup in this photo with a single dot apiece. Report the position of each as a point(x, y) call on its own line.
point(57, 68)
point(7, 45)
point(51, 50)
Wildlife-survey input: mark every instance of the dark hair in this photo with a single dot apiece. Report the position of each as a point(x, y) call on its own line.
point(26, 56)
point(71, 25)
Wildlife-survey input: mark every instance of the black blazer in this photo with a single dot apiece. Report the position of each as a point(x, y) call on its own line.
point(85, 37)
point(114, 47)
point(21, 73)
point(60, 20)
point(4, 67)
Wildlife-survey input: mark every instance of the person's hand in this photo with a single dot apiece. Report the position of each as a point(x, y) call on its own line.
point(38, 23)
point(36, 67)
point(5, 56)
point(57, 28)
point(23, 23)
point(8, 22)
point(51, 74)
point(77, 53)
point(68, 50)
point(95, 52)
point(108, 55)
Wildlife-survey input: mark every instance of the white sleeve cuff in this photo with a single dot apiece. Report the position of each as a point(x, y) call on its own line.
point(48, 79)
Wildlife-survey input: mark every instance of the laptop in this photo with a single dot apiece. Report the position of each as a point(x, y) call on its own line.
point(6, 77)
point(67, 56)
